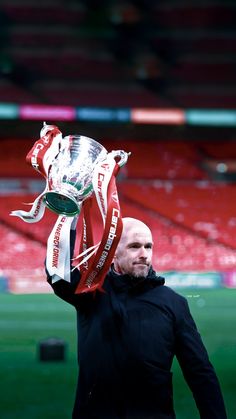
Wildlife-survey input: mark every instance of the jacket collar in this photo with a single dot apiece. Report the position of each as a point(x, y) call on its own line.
point(130, 283)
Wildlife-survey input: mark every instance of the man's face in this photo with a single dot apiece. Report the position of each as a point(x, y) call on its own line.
point(134, 252)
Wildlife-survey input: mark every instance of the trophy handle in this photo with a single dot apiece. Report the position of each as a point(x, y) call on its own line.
point(46, 128)
point(122, 155)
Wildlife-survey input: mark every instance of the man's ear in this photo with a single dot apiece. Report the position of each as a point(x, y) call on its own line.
point(114, 261)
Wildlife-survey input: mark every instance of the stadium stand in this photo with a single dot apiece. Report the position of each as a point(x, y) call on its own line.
point(192, 217)
point(127, 54)
point(202, 207)
point(163, 160)
point(22, 262)
point(164, 53)
point(179, 249)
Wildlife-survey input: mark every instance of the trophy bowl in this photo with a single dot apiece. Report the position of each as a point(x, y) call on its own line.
point(71, 172)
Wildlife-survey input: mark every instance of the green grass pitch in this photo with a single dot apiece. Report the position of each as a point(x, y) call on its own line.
point(33, 389)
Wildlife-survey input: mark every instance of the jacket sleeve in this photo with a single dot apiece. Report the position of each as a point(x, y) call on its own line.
point(197, 369)
point(62, 288)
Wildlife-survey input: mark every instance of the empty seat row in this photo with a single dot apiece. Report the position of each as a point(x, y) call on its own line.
point(205, 209)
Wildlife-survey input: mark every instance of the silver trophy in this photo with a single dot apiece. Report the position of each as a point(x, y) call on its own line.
point(71, 172)
point(68, 164)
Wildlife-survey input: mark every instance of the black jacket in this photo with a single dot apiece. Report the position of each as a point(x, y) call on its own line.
point(127, 338)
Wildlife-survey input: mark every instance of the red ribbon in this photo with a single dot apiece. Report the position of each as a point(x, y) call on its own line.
point(93, 273)
point(36, 156)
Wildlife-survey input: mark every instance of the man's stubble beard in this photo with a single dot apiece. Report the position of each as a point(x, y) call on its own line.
point(143, 273)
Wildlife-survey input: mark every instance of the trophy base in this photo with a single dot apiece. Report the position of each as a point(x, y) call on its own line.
point(61, 204)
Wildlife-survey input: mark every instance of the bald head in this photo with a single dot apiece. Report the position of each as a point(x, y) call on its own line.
point(134, 252)
point(132, 225)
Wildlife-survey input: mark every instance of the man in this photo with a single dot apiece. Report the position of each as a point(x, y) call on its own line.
point(128, 336)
